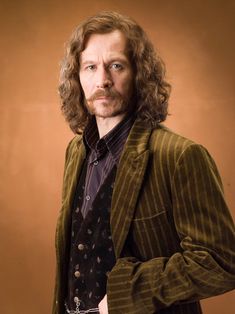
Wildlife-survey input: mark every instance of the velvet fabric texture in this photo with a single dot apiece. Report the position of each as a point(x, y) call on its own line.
point(168, 208)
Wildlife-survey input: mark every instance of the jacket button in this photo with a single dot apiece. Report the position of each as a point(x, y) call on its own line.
point(80, 246)
point(77, 274)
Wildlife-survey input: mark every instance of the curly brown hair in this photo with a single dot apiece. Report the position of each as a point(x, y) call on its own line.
point(151, 90)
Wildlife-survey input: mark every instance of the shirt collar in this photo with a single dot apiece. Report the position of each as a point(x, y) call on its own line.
point(113, 141)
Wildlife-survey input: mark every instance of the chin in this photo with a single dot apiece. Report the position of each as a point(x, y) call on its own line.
point(107, 114)
point(107, 110)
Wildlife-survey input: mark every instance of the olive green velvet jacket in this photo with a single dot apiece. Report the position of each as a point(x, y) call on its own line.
point(172, 232)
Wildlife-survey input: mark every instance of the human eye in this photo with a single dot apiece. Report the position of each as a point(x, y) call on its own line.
point(117, 66)
point(90, 67)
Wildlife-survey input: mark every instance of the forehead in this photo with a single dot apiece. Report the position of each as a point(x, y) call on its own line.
point(113, 43)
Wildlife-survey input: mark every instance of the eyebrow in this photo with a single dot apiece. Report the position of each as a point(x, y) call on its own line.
point(118, 59)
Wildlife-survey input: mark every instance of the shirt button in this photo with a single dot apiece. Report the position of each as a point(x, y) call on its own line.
point(88, 197)
point(96, 163)
point(81, 246)
point(77, 274)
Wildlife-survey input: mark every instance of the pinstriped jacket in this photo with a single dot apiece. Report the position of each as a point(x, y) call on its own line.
point(172, 231)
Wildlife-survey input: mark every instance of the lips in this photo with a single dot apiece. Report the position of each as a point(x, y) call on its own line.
point(103, 97)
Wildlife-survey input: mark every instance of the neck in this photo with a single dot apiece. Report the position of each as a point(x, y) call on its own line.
point(107, 124)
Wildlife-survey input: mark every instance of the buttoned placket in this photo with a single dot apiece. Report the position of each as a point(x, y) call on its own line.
point(95, 160)
point(93, 174)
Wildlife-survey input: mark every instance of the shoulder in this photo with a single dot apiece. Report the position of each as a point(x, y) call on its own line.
point(73, 146)
point(74, 142)
point(172, 148)
point(164, 138)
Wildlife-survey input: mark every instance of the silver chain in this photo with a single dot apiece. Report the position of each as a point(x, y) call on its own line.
point(77, 311)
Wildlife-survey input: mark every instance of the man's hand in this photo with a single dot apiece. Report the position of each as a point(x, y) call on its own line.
point(103, 305)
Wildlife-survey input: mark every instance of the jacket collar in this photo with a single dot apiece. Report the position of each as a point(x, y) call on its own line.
point(129, 178)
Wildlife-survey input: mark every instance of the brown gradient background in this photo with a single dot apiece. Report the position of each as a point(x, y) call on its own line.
point(196, 40)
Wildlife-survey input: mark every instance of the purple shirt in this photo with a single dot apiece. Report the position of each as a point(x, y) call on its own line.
point(91, 252)
point(103, 154)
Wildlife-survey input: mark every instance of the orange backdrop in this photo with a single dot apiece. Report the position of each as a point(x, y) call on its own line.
point(196, 40)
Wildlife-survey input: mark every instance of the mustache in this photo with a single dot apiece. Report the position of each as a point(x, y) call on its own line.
point(103, 93)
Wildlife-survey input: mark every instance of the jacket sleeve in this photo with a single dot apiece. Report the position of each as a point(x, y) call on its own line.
point(206, 264)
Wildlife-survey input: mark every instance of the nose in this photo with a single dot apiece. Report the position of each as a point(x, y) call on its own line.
point(104, 79)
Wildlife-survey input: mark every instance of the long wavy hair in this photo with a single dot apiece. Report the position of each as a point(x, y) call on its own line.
point(151, 91)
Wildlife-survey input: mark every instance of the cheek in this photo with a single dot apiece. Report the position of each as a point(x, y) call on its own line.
point(122, 82)
point(86, 86)
point(128, 85)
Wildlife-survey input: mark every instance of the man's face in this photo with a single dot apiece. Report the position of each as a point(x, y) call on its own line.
point(106, 75)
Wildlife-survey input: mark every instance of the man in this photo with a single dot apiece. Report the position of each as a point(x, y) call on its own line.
point(144, 227)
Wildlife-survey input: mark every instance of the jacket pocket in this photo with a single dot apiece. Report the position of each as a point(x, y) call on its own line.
point(153, 236)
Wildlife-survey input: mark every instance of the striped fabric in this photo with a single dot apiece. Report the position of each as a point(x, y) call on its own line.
point(173, 235)
point(103, 155)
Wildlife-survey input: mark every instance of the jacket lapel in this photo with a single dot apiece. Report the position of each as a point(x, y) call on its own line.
point(72, 170)
point(129, 178)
